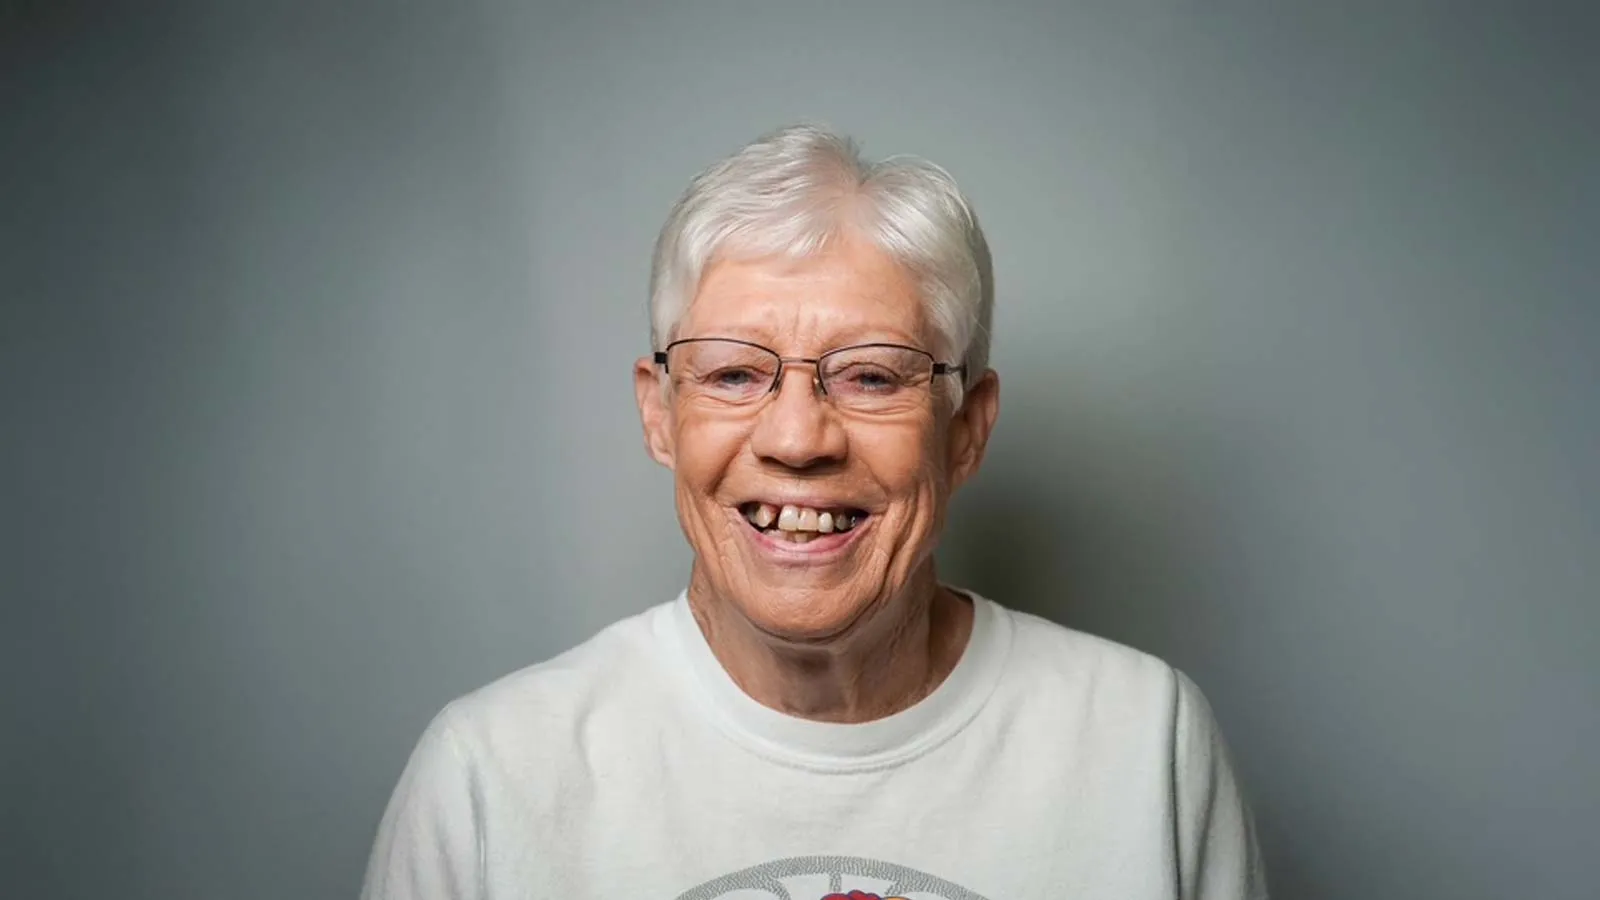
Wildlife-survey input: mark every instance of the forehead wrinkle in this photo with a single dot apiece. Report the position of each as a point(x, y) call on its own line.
point(785, 340)
point(851, 293)
point(771, 321)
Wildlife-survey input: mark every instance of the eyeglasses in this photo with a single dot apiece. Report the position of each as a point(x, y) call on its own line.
point(868, 378)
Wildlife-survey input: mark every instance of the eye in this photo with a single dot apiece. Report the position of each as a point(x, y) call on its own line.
point(874, 380)
point(869, 379)
point(733, 378)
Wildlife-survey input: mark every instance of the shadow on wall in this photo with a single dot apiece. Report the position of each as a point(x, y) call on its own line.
point(1003, 541)
point(1103, 529)
point(1111, 512)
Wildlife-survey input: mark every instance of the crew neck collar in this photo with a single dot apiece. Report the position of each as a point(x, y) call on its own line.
point(831, 746)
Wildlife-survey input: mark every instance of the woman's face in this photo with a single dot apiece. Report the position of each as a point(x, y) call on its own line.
point(887, 479)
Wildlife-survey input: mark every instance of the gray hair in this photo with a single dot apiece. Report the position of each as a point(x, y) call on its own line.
point(795, 189)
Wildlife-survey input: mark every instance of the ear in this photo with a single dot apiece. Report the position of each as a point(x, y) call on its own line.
point(654, 413)
point(970, 427)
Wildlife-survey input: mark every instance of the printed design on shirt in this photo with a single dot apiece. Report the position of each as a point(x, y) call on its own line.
point(828, 878)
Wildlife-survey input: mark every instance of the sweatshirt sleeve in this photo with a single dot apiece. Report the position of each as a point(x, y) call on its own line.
point(430, 839)
point(1218, 858)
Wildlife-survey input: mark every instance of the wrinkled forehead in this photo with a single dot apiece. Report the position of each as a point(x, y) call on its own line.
point(833, 297)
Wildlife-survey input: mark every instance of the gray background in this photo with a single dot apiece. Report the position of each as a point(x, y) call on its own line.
point(316, 342)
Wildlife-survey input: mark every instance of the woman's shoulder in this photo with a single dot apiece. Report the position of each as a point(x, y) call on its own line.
point(1049, 654)
point(614, 672)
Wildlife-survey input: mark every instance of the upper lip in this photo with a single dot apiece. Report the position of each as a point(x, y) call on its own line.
point(812, 502)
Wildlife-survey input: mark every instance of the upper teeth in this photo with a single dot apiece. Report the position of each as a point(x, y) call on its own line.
point(800, 518)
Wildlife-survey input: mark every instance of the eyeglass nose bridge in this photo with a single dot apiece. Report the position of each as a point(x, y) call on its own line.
point(815, 362)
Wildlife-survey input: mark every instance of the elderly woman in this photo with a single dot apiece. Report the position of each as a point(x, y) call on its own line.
point(817, 716)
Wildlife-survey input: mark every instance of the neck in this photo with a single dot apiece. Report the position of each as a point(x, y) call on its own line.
point(894, 656)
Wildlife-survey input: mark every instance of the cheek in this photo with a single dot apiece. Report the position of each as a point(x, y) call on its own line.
point(908, 464)
point(705, 450)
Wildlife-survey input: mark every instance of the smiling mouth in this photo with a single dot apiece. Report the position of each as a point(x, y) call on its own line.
point(800, 524)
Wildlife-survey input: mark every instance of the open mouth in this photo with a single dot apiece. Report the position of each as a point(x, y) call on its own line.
point(800, 524)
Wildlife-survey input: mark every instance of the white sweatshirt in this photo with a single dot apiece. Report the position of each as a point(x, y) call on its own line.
point(1049, 764)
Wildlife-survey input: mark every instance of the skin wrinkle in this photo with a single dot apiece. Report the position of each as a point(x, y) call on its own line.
point(869, 634)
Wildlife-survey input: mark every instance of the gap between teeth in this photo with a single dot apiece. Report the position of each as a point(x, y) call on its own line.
point(800, 519)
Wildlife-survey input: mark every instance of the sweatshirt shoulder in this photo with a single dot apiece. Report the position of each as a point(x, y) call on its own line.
point(1057, 670)
point(1051, 654)
point(615, 671)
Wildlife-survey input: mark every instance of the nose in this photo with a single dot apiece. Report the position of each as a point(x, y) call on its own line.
point(797, 428)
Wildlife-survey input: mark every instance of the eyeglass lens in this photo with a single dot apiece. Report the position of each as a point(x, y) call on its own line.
point(869, 378)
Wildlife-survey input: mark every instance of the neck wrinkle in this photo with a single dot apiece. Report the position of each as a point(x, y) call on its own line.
point(878, 668)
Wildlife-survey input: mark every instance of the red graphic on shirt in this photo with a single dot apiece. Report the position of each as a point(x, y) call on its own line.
point(859, 895)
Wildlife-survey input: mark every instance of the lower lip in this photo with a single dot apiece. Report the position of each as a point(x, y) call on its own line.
point(820, 549)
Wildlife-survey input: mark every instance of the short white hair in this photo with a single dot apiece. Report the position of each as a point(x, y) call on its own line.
point(792, 191)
